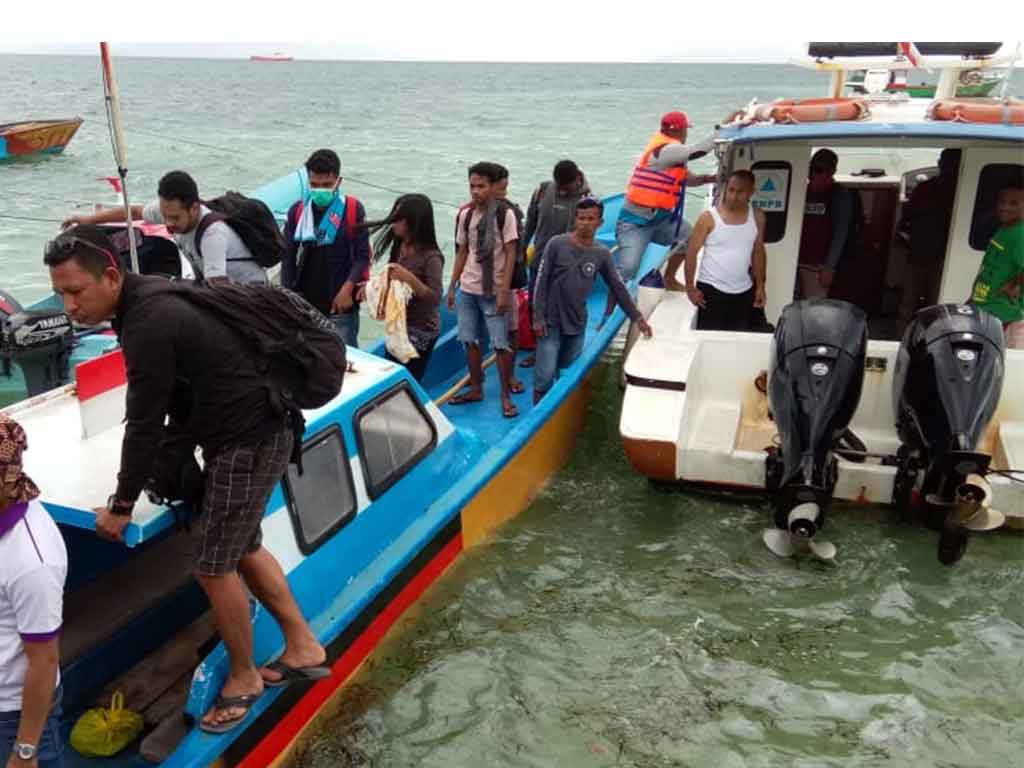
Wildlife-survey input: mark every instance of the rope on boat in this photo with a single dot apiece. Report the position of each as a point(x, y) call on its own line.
point(28, 218)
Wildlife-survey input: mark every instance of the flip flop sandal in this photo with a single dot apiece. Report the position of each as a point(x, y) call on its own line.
point(465, 399)
point(528, 362)
point(290, 674)
point(517, 388)
point(243, 702)
point(510, 411)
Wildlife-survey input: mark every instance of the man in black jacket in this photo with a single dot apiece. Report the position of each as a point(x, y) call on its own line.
point(186, 363)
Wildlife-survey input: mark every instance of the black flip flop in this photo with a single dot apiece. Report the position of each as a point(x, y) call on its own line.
point(243, 702)
point(290, 674)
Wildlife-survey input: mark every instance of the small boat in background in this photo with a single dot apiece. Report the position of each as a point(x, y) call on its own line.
point(276, 56)
point(33, 137)
point(971, 83)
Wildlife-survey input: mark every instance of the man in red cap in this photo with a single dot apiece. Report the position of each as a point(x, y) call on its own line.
point(653, 209)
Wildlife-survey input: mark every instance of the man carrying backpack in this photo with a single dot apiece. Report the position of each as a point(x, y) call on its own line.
point(486, 237)
point(209, 241)
point(186, 361)
point(327, 248)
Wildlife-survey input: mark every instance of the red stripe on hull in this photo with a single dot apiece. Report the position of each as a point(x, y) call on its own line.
point(277, 741)
point(101, 374)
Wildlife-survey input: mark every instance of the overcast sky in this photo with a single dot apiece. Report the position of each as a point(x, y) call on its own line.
point(461, 30)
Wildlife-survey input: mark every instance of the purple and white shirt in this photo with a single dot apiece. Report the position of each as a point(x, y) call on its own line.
point(33, 567)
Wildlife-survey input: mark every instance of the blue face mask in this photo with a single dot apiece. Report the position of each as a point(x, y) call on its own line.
point(321, 197)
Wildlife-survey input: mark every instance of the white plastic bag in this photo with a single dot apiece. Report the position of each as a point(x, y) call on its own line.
point(386, 300)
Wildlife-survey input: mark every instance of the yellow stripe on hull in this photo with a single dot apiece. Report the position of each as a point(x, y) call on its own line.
point(510, 491)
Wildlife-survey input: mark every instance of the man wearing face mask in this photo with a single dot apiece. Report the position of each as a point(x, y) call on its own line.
point(828, 212)
point(224, 256)
point(328, 248)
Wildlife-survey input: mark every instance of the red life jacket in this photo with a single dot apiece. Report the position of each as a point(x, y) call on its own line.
point(816, 233)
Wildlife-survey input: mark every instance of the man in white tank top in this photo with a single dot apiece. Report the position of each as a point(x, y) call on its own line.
point(732, 268)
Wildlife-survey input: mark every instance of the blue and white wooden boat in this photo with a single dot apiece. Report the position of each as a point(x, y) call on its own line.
point(396, 486)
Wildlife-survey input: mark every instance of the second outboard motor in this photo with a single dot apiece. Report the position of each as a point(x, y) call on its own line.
point(39, 341)
point(947, 384)
point(817, 370)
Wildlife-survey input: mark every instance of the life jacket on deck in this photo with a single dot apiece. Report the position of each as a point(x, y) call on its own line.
point(656, 189)
point(816, 233)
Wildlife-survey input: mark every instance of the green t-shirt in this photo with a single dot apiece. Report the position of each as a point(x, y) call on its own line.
point(1004, 261)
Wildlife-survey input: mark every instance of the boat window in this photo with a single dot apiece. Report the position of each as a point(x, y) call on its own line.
point(322, 499)
point(771, 195)
point(993, 179)
point(394, 433)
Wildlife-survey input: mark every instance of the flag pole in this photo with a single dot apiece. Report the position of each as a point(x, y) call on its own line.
point(113, 103)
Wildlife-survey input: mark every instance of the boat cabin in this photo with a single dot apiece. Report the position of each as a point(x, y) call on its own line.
point(881, 164)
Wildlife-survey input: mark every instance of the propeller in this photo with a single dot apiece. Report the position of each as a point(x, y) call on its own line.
point(785, 544)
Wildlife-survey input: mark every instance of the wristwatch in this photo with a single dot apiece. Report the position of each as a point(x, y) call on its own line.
point(118, 507)
point(24, 751)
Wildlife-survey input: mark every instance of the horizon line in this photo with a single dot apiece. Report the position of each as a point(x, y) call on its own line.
point(405, 61)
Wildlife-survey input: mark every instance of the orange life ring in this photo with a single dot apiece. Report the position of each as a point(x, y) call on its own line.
point(812, 110)
point(997, 111)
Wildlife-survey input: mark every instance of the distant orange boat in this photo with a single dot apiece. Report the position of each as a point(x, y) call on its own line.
point(277, 56)
point(33, 137)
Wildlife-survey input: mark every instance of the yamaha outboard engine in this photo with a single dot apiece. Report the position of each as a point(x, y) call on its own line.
point(39, 341)
point(817, 369)
point(948, 379)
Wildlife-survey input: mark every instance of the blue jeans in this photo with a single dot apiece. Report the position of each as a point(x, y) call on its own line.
point(633, 240)
point(477, 315)
point(51, 746)
point(348, 325)
point(555, 352)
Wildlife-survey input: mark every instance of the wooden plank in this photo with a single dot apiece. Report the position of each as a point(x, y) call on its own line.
point(145, 683)
point(102, 607)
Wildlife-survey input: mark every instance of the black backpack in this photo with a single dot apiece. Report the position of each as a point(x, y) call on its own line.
point(251, 220)
point(300, 351)
point(519, 277)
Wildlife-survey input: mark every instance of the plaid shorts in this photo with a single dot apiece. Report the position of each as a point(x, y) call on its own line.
point(239, 481)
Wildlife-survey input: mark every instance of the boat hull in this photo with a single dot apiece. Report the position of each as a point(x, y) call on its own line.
point(702, 421)
point(297, 719)
point(19, 140)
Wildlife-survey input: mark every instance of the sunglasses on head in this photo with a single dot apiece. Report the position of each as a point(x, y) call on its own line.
point(66, 245)
point(589, 201)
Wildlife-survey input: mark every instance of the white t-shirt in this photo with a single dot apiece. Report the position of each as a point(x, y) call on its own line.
point(33, 567)
point(224, 253)
point(728, 254)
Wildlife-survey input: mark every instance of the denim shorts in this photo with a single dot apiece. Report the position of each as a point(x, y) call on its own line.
point(478, 317)
point(51, 745)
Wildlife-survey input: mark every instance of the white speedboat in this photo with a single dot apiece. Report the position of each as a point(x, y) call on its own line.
point(694, 410)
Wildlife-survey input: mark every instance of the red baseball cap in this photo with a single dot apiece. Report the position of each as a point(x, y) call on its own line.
point(675, 121)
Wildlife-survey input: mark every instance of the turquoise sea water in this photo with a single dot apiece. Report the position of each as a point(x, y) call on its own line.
point(611, 624)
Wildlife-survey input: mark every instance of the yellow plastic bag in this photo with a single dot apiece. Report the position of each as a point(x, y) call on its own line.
point(103, 732)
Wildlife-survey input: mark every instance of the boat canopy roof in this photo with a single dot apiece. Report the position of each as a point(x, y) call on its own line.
point(875, 130)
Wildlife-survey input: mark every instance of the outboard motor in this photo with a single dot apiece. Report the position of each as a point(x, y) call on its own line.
point(39, 341)
point(947, 383)
point(817, 370)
